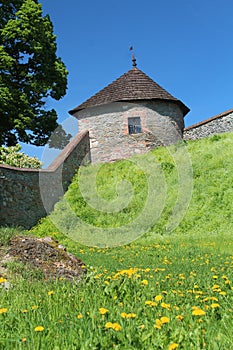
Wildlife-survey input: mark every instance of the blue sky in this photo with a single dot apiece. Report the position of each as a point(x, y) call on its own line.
point(185, 46)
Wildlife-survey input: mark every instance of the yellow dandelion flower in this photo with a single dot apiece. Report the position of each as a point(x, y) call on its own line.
point(116, 327)
point(24, 311)
point(144, 282)
point(158, 324)
point(125, 315)
point(222, 293)
point(51, 292)
point(198, 312)
point(205, 299)
point(103, 311)
point(214, 298)
point(108, 325)
point(39, 329)
point(215, 277)
point(150, 303)
point(158, 297)
point(153, 303)
point(24, 339)
point(199, 292)
point(3, 310)
point(164, 319)
point(179, 317)
point(80, 316)
point(165, 306)
point(3, 280)
point(173, 346)
point(215, 305)
point(35, 307)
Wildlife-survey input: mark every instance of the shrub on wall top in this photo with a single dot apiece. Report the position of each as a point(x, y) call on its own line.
point(12, 156)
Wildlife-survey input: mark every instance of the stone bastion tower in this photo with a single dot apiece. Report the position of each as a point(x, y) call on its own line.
point(130, 116)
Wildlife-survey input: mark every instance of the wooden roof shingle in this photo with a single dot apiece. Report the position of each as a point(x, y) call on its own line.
point(132, 86)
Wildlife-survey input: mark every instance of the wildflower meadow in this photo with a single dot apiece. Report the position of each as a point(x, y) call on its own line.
point(169, 294)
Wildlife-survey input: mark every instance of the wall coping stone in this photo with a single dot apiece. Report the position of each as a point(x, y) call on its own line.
point(206, 121)
point(58, 161)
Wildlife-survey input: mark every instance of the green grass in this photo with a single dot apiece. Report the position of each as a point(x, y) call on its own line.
point(187, 273)
point(209, 211)
point(191, 268)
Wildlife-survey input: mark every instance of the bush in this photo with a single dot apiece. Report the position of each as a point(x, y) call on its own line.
point(12, 156)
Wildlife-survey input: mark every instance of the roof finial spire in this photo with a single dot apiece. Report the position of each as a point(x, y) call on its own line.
point(134, 63)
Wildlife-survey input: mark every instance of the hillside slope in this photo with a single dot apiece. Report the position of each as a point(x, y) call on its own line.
point(125, 191)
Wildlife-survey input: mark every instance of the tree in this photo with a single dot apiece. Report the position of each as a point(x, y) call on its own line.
point(30, 72)
point(59, 138)
point(12, 156)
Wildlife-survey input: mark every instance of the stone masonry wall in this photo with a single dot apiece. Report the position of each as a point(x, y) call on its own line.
point(161, 122)
point(26, 195)
point(212, 126)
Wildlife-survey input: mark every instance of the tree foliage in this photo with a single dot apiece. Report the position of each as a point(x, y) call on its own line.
point(59, 138)
point(30, 72)
point(12, 156)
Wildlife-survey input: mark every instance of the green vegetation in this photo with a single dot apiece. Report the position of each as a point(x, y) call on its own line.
point(30, 72)
point(167, 294)
point(12, 156)
point(167, 290)
point(209, 211)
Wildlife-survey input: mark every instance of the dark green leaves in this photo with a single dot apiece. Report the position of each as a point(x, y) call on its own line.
point(30, 72)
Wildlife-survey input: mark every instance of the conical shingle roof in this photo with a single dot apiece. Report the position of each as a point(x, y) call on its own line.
point(134, 85)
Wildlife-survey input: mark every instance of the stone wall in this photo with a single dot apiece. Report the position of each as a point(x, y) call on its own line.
point(26, 195)
point(218, 124)
point(161, 123)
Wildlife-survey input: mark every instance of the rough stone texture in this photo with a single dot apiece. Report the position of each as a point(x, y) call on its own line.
point(26, 195)
point(45, 255)
point(161, 121)
point(212, 126)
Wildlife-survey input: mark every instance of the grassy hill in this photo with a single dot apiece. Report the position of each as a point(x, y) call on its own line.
point(200, 172)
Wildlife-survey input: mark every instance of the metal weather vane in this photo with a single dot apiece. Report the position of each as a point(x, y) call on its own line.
point(134, 63)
